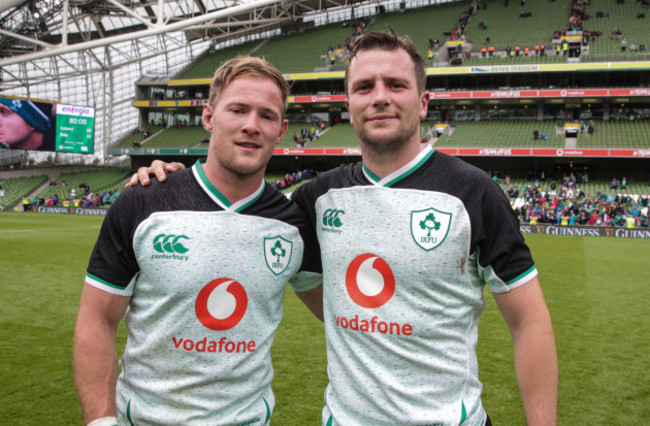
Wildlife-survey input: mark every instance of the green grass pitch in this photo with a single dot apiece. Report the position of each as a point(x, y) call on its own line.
point(597, 290)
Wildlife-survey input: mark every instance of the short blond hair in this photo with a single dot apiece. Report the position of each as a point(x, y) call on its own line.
point(250, 67)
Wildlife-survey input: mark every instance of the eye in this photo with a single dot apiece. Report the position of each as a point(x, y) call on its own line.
point(364, 87)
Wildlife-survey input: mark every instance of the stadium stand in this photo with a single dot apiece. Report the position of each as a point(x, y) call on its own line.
point(17, 187)
point(339, 135)
point(97, 181)
point(288, 140)
point(504, 25)
point(137, 137)
point(617, 15)
point(574, 201)
point(499, 133)
point(519, 133)
point(186, 136)
point(302, 52)
point(288, 182)
point(422, 24)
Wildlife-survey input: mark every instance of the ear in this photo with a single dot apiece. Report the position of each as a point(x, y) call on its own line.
point(283, 130)
point(347, 106)
point(424, 107)
point(206, 117)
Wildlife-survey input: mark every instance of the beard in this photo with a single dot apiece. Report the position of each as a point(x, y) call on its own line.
point(386, 143)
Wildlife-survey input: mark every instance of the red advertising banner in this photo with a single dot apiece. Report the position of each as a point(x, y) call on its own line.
point(299, 151)
point(343, 151)
point(451, 95)
point(557, 93)
point(634, 153)
point(487, 152)
point(505, 94)
point(569, 152)
point(495, 152)
point(629, 92)
point(498, 94)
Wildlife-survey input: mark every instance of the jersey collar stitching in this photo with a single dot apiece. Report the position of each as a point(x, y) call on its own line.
point(400, 173)
point(218, 197)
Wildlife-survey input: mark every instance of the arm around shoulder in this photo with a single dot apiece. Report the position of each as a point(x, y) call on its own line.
point(529, 321)
point(95, 351)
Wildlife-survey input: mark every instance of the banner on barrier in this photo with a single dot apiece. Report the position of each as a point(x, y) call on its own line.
point(592, 231)
point(72, 210)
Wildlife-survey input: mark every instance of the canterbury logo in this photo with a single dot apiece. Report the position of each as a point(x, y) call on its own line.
point(331, 217)
point(170, 244)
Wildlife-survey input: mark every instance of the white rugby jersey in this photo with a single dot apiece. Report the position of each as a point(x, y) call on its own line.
point(405, 261)
point(206, 280)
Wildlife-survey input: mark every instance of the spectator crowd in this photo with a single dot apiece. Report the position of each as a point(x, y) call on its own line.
point(566, 204)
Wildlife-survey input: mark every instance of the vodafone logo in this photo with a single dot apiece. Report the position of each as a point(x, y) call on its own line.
point(370, 281)
point(221, 304)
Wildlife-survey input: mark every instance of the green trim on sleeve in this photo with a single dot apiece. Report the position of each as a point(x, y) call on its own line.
point(95, 278)
point(520, 276)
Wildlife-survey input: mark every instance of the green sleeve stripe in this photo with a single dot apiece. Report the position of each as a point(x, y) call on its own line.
point(106, 283)
point(518, 277)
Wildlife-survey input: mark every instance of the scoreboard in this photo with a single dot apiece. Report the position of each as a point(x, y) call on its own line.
point(47, 126)
point(75, 129)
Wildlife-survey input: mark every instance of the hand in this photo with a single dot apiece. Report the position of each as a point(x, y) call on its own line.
point(158, 168)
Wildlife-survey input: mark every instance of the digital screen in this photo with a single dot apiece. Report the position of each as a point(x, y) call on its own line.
point(45, 126)
point(75, 129)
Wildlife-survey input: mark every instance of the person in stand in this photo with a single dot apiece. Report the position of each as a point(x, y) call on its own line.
point(403, 298)
point(201, 262)
point(592, 128)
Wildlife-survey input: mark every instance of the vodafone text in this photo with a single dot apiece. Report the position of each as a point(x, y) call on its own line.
point(205, 345)
point(374, 325)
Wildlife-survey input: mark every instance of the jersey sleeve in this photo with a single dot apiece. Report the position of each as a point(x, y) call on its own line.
point(312, 267)
point(113, 266)
point(504, 259)
point(310, 274)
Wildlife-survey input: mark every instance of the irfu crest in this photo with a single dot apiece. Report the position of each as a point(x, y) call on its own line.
point(429, 227)
point(277, 253)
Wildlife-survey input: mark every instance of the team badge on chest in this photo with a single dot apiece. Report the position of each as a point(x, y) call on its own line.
point(430, 227)
point(277, 252)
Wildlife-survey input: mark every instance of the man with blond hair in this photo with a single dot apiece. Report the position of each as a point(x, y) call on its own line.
point(199, 267)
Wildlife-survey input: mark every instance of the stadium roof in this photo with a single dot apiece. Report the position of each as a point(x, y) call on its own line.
point(91, 52)
point(35, 29)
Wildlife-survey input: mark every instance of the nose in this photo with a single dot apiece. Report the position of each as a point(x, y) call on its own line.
point(380, 95)
point(251, 125)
